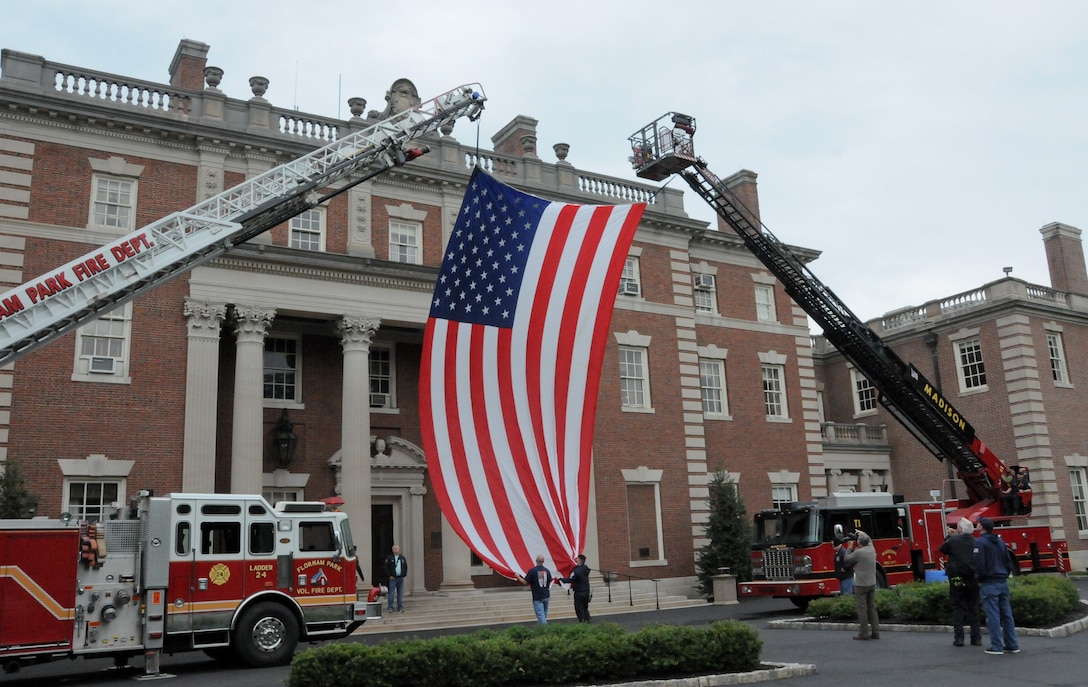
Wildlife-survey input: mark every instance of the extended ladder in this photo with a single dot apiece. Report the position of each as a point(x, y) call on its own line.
point(663, 148)
point(55, 303)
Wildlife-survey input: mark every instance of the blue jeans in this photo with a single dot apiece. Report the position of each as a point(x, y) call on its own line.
point(396, 584)
point(999, 622)
point(540, 607)
point(846, 586)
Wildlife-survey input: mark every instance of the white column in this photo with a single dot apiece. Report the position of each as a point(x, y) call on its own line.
point(414, 540)
point(456, 560)
point(356, 333)
point(201, 393)
point(251, 324)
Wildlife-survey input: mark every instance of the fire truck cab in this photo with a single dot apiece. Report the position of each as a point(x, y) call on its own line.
point(224, 573)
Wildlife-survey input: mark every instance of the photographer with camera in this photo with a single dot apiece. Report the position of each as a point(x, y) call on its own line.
point(863, 559)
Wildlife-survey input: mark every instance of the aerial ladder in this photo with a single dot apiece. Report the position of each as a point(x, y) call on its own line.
point(74, 294)
point(663, 148)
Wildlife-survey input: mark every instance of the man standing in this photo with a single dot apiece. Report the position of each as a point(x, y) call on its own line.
point(844, 572)
point(863, 558)
point(539, 580)
point(963, 593)
point(396, 566)
point(993, 565)
point(579, 583)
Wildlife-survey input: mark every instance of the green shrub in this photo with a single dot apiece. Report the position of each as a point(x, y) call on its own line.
point(550, 655)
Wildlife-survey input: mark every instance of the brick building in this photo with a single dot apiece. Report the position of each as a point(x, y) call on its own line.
point(318, 326)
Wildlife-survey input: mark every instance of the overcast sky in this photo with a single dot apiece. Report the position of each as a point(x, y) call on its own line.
point(920, 146)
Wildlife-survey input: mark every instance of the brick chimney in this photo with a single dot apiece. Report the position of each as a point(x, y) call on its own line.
point(516, 139)
point(187, 67)
point(1065, 257)
point(743, 186)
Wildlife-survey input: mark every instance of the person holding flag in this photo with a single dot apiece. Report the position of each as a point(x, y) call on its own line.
point(539, 580)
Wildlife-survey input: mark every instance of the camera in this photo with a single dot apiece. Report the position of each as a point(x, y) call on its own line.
point(850, 537)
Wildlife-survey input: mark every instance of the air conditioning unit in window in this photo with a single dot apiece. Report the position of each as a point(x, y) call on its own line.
point(379, 400)
point(704, 282)
point(102, 365)
point(628, 287)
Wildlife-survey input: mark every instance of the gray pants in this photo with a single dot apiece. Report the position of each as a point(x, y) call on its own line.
point(865, 596)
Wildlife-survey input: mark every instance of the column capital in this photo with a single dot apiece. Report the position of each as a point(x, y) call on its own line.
point(357, 331)
point(251, 322)
point(205, 319)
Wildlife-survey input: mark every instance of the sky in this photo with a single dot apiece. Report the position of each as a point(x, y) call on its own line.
point(918, 146)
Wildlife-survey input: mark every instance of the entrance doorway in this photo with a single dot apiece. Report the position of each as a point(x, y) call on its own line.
point(381, 540)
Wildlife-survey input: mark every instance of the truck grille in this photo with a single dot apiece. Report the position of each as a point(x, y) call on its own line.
point(778, 564)
point(123, 536)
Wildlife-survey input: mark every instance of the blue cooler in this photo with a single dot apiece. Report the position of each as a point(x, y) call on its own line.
point(936, 576)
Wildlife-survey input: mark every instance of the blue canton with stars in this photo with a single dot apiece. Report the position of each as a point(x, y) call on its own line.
point(485, 259)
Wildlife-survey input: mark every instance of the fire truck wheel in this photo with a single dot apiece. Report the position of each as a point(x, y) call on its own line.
point(266, 635)
point(800, 602)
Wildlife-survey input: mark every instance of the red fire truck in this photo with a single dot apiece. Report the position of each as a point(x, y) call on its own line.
point(224, 573)
point(792, 554)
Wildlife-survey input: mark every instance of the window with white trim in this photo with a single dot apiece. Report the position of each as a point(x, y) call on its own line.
point(774, 391)
point(114, 203)
point(634, 378)
point(404, 241)
point(275, 496)
point(381, 377)
point(782, 494)
point(282, 369)
point(630, 284)
point(1056, 351)
point(307, 230)
point(102, 347)
point(765, 307)
point(92, 499)
point(1078, 482)
point(712, 387)
point(864, 393)
point(970, 369)
point(705, 293)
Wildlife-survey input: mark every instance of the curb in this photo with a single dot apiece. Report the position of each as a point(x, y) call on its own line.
point(770, 671)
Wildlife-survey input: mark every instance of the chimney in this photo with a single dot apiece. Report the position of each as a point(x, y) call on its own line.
point(743, 186)
point(1065, 257)
point(516, 139)
point(187, 67)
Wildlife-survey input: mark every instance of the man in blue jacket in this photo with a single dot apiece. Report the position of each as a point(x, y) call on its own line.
point(993, 565)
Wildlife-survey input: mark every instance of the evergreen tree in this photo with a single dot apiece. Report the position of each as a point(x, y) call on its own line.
point(13, 495)
point(729, 533)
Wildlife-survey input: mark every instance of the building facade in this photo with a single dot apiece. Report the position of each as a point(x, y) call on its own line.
point(289, 365)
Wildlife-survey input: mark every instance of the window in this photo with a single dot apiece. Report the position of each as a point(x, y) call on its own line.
point(381, 377)
point(712, 384)
point(281, 369)
point(102, 347)
point(275, 496)
point(765, 310)
point(645, 540)
point(93, 499)
point(781, 494)
point(864, 393)
point(774, 391)
point(262, 537)
point(114, 203)
point(634, 382)
point(1057, 358)
point(629, 280)
point(316, 536)
point(705, 293)
point(404, 241)
point(183, 542)
point(972, 371)
point(307, 231)
point(1078, 482)
point(217, 538)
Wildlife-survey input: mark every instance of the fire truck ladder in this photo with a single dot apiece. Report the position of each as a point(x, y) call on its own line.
point(912, 400)
point(53, 304)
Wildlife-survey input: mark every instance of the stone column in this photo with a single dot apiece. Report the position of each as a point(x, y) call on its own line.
point(251, 324)
point(201, 393)
point(865, 482)
point(356, 333)
point(414, 539)
point(456, 560)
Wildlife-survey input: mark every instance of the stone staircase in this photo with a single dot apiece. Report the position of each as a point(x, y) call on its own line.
point(488, 607)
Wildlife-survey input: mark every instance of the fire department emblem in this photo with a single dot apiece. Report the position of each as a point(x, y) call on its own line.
point(219, 574)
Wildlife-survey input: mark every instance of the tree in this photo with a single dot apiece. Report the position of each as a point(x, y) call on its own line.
point(729, 533)
point(13, 495)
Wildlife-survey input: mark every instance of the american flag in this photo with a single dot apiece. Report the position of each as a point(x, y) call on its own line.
point(511, 364)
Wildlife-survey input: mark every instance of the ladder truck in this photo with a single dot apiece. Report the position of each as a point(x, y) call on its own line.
point(72, 295)
point(804, 568)
point(226, 574)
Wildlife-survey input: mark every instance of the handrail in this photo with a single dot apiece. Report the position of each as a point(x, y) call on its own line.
point(611, 576)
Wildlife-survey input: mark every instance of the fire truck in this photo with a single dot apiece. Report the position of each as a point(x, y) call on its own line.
point(224, 573)
point(227, 574)
point(793, 551)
